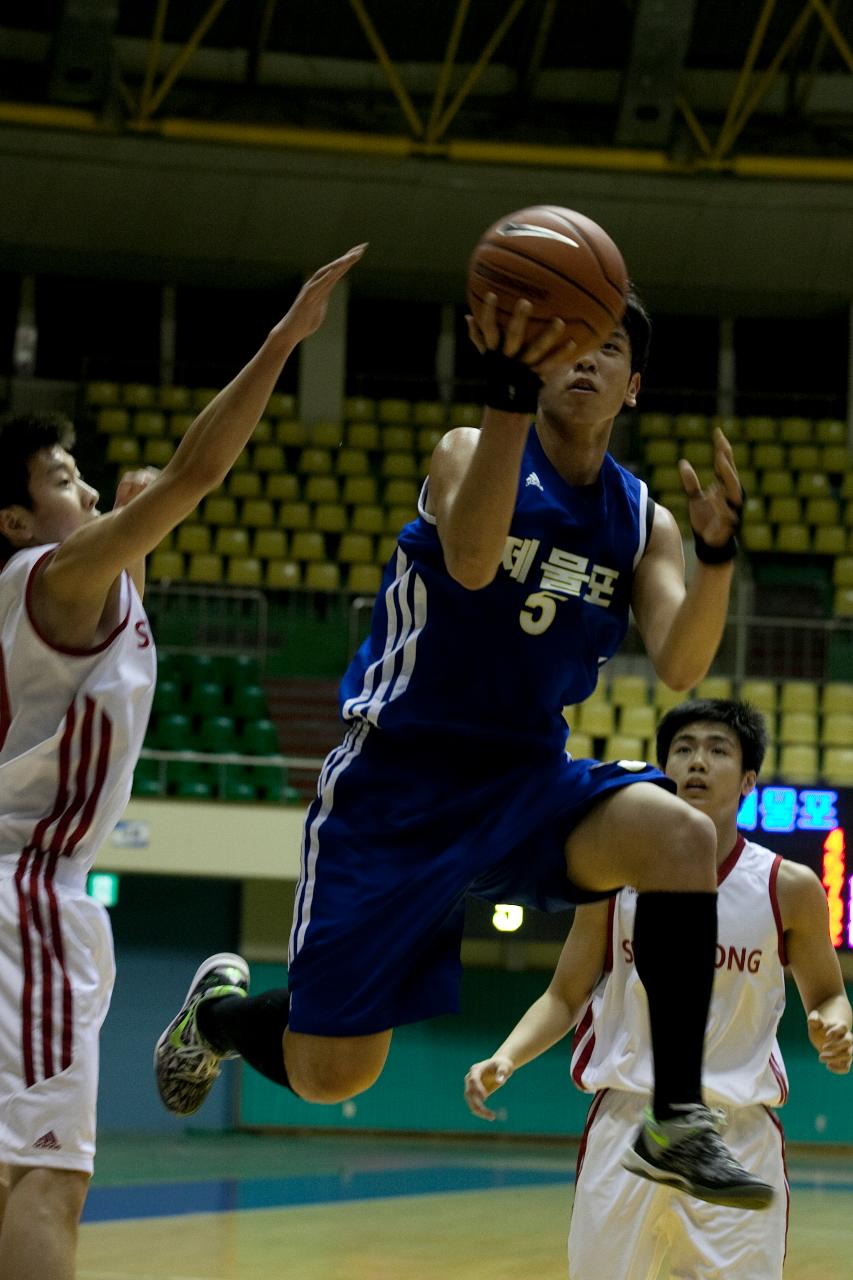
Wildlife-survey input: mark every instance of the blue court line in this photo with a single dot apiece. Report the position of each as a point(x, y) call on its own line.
point(168, 1199)
point(157, 1200)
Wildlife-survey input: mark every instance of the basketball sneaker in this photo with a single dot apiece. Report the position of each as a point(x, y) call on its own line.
point(186, 1064)
point(688, 1153)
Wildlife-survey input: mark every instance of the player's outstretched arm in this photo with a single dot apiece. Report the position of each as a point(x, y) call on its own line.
point(682, 625)
point(473, 478)
point(814, 965)
point(551, 1016)
point(73, 587)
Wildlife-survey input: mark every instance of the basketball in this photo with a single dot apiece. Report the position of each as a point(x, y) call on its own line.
point(565, 264)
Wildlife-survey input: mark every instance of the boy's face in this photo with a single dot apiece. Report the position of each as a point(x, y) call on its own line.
point(705, 762)
point(61, 501)
point(595, 387)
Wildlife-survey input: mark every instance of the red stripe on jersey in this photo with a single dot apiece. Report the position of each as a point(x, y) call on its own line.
point(59, 952)
point(81, 776)
point(780, 1080)
point(778, 1125)
point(26, 953)
point(5, 705)
point(94, 796)
point(777, 912)
point(726, 868)
point(583, 1027)
point(62, 782)
point(590, 1118)
point(36, 867)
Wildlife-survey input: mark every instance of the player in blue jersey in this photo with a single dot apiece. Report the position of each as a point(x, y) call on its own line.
point(504, 598)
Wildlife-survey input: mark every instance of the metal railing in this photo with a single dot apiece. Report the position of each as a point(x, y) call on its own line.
point(187, 617)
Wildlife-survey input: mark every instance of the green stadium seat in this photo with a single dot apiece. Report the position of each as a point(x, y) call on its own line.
point(386, 547)
point(202, 396)
point(830, 540)
point(217, 734)
point(664, 698)
point(699, 453)
point(651, 424)
point(822, 511)
point(173, 732)
point(249, 702)
point(401, 492)
point(189, 780)
point(149, 778)
point(427, 439)
point(397, 517)
point(259, 738)
point(206, 698)
point(236, 785)
point(167, 697)
point(179, 425)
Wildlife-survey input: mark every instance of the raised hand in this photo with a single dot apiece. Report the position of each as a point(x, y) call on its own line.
point(549, 349)
point(715, 512)
point(309, 308)
point(483, 1079)
point(132, 484)
point(833, 1042)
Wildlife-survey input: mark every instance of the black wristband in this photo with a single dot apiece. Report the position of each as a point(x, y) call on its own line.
point(511, 385)
point(715, 555)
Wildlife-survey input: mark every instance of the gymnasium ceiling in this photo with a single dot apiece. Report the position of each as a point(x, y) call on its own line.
point(759, 88)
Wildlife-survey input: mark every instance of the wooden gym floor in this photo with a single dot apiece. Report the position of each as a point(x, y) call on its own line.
point(266, 1207)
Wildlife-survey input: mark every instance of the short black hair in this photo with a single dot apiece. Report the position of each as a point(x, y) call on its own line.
point(744, 720)
point(638, 326)
point(22, 436)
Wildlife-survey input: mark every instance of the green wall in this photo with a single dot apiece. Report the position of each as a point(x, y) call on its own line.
point(421, 1087)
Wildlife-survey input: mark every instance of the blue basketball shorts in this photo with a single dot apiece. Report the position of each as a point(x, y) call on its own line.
point(394, 841)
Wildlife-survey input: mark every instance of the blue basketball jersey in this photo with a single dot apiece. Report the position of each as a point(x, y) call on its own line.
point(496, 666)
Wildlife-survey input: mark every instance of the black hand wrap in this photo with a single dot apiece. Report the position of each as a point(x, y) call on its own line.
point(511, 385)
point(721, 555)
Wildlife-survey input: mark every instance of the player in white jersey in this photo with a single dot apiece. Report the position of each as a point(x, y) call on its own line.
point(77, 673)
point(771, 912)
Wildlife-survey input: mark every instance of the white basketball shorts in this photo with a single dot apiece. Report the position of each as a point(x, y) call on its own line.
point(626, 1226)
point(56, 976)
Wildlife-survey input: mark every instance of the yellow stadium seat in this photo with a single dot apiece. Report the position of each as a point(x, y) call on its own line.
point(113, 421)
point(269, 544)
point(322, 576)
point(798, 763)
point(797, 726)
point(837, 729)
point(466, 415)
point(244, 571)
point(651, 424)
point(139, 395)
point(837, 696)
point(692, 426)
point(397, 438)
point(157, 453)
point(268, 457)
point(325, 435)
point(359, 491)
point(356, 548)
point(174, 398)
point(830, 540)
point(394, 410)
point(179, 424)
point(665, 479)
point(793, 539)
point(427, 438)
point(580, 746)
point(699, 453)
point(362, 435)
point(639, 722)
point(244, 484)
point(754, 509)
point(102, 393)
point(822, 511)
point(364, 579)
point(848, 513)
point(813, 484)
point(258, 513)
point(294, 515)
point(429, 413)
point(798, 695)
point(168, 565)
point(760, 694)
point(316, 462)
point(290, 433)
point(731, 426)
point(202, 396)
point(665, 698)
point(193, 538)
point(330, 517)
point(623, 746)
point(714, 687)
point(842, 602)
point(834, 458)
point(742, 454)
point(396, 517)
point(321, 489)
point(281, 404)
point(796, 430)
point(768, 456)
point(123, 450)
point(595, 718)
point(401, 493)
point(660, 452)
point(231, 542)
point(831, 431)
point(219, 510)
point(804, 457)
point(757, 537)
point(263, 432)
point(837, 766)
point(629, 691)
point(368, 520)
point(359, 409)
point(283, 575)
point(149, 422)
point(308, 545)
point(386, 547)
point(759, 430)
point(205, 567)
point(784, 510)
point(352, 462)
point(777, 484)
point(842, 572)
point(281, 487)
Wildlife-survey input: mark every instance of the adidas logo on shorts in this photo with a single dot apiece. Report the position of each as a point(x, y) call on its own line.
point(48, 1142)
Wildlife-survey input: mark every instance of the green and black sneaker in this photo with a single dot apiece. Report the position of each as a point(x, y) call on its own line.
point(185, 1064)
point(688, 1153)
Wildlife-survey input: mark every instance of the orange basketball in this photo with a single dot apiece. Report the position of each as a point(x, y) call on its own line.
point(562, 262)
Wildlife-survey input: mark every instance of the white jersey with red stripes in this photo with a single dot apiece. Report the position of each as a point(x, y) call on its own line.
point(72, 724)
point(743, 1064)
